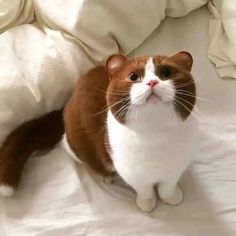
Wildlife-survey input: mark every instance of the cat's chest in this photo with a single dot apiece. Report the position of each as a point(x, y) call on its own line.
point(153, 143)
point(153, 147)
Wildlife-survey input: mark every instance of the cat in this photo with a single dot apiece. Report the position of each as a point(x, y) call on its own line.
point(131, 117)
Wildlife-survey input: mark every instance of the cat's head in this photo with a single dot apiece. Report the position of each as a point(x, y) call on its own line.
point(150, 81)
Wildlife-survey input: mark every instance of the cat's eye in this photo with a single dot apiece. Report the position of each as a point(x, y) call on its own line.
point(134, 77)
point(166, 72)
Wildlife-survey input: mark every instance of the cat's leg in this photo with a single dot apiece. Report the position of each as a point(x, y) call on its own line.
point(146, 197)
point(108, 178)
point(169, 192)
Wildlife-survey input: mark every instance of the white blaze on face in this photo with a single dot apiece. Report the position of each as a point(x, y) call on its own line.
point(164, 89)
point(150, 69)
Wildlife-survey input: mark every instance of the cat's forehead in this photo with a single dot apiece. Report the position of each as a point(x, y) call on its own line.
point(141, 62)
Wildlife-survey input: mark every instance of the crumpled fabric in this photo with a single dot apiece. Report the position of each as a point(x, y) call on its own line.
point(46, 45)
point(222, 36)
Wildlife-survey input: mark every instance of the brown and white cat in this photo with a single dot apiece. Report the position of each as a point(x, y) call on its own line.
point(131, 116)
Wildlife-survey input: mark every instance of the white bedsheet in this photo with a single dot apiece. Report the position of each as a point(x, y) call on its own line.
point(58, 198)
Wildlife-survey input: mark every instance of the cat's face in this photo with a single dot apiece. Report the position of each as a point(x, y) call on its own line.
point(149, 81)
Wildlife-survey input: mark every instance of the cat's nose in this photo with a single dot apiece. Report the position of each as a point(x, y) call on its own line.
point(152, 83)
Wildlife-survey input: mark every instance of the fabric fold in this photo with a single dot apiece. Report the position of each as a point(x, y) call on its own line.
point(222, 37)
point(15, 12)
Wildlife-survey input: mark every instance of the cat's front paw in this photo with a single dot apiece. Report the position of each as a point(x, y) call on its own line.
point(146, 205)
point(176, 198)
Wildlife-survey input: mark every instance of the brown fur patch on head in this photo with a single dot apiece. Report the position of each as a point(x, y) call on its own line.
point(118, 94)
point(178, 66)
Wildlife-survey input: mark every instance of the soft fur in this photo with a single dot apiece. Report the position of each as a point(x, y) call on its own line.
point(36, 135)
point(143, 128)
point(131, 116)
point(154, 146)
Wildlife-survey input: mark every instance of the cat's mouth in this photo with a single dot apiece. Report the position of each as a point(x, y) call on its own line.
point(153, 98)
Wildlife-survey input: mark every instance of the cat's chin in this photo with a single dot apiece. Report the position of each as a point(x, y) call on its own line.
point(153, 99)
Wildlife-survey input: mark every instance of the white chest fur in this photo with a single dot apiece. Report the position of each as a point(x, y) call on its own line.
point(154, 147)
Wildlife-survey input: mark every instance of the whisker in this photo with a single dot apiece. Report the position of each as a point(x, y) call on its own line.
point(138, 98)
point(184, 100)
point(106, 92)
point(190, 95)
point(124, 91)
point(135, 109)
point(101, 111)
point(107, 108)
point(104, 126)
point(102, 129)
point(187, 102)
point(190, 112)
point(178, 82)
point(181, 85)
point(121, 111)
point(183, 92)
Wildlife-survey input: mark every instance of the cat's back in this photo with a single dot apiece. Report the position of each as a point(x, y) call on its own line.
point(89, 96)
point(92, 84)
point(96, 76)
point(85, 119)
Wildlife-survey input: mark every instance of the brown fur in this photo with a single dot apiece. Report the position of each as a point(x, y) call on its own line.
point(36, 135)
point(180, 65)
point(85, 117)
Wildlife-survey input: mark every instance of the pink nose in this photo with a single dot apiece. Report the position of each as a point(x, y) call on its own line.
point(152, 83)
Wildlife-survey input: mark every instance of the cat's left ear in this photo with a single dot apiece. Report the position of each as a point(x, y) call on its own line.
point(115, 63)
point(182, 58)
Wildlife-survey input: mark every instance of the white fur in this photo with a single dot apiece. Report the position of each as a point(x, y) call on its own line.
point(67, 148)
point(154, 146)
point(65, 145)
point(6, 190)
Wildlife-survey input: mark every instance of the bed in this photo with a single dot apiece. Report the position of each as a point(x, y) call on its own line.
point(58, 197)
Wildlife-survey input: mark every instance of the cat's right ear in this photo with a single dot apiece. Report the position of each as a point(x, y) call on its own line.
point(115, 63)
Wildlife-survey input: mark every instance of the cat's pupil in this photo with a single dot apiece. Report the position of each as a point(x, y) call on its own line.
point(134, 77)
point(166, 72)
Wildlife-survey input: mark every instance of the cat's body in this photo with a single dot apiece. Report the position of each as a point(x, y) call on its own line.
point(148, 145)
point(133, 117)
